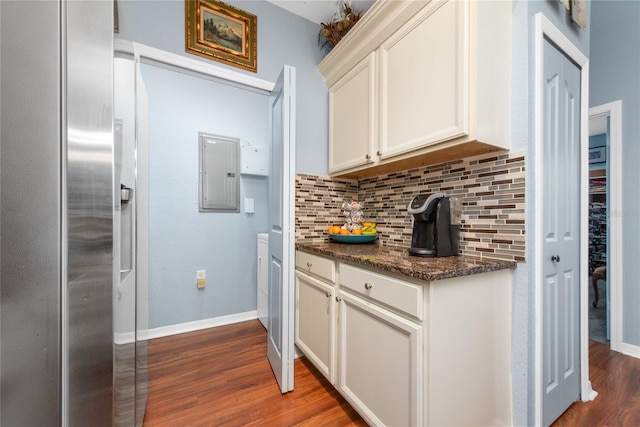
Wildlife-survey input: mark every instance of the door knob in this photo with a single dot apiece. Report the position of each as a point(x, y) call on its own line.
point(555, 258)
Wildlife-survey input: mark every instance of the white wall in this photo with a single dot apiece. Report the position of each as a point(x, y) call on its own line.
point(615, 61)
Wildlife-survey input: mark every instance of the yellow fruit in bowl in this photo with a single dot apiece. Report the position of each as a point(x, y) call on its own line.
point(356, 232)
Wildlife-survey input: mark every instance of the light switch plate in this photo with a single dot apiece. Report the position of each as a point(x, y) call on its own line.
point(248, 206)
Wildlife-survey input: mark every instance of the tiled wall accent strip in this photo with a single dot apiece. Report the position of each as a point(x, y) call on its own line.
point(491, 188)
point(318, 201)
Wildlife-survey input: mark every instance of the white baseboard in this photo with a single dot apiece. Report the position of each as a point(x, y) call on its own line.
point(124, 338)
point(181, 328)
point(630, 350)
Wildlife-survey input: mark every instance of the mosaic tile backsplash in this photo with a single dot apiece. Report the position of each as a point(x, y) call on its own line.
point(490, 187)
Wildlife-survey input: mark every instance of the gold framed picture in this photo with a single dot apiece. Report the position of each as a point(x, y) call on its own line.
point(221, 32)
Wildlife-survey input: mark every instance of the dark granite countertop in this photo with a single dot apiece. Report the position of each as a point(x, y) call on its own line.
point(397, 260)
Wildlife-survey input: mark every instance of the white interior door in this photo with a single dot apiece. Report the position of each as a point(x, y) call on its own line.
point(561, 230)
point(280, 336)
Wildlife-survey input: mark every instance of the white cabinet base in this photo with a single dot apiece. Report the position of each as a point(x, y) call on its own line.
point(315, 323)
point(470, 350)
point(405, 352)
point(380, 363)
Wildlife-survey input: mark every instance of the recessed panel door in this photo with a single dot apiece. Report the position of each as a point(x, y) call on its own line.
point(561, 225)
point(281, 247)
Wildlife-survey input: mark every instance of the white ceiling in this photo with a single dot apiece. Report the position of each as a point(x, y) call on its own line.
point(319, 11)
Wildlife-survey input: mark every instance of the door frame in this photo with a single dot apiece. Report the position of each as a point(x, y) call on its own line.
point(545, 29)
point(613, 110)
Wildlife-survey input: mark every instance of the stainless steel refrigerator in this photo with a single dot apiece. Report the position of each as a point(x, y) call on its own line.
point(57, 208)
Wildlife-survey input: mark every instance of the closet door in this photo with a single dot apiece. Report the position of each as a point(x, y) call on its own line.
point(561, 225)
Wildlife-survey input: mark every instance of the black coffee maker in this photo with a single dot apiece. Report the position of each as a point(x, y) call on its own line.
point(436, 230)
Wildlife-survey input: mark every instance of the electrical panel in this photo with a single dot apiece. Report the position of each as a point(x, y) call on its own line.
point(219, 182)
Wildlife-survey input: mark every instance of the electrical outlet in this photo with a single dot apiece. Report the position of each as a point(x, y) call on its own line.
point(201, 278)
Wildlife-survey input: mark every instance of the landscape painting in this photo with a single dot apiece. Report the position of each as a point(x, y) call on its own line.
point(221, 32)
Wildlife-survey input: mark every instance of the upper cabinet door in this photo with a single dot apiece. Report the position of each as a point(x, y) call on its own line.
point(352, 117)
point(424, 80)
point(417, 83)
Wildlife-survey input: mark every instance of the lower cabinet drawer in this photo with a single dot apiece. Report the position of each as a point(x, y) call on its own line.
point(319, 266)
point(403, 296)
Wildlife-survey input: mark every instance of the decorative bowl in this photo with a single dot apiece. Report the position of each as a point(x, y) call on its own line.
point(353, 238)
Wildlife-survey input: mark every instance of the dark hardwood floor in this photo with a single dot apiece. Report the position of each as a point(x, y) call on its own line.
point(221, 377)
point(616, 378)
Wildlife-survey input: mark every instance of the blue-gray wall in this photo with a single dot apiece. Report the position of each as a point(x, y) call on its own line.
point(283, 38)
point(523, 140)
point(181, 239)
point(522, 353)
point(596, 141)
point(615, 61)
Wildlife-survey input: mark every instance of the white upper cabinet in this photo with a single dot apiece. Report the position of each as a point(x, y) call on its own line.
point(418, 83)
point(422, 70)
point(353, 117)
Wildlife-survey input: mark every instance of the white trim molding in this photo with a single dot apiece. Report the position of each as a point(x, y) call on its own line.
point(544, 29)
point(613, 110)
point(198, 325)
point(151, 55)
point(124, 338)
point(630, 350)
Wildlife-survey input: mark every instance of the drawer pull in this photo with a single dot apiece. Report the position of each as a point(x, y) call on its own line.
point(368, 286)
point(308, 264)
point(328, 294)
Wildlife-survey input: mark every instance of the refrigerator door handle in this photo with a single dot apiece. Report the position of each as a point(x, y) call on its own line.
point(126, 193)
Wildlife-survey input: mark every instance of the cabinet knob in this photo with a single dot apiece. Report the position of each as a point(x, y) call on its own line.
point(368, 157)
point(308, 264)
point(338, 299)
point(328, 294)
point(379, 153)
point(555, 258)
point(368, 286)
